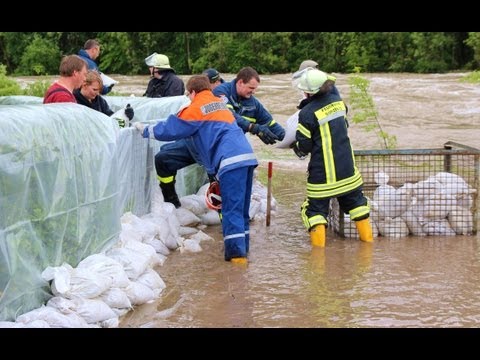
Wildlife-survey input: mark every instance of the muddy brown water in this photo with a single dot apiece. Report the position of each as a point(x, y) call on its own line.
point(406, 282)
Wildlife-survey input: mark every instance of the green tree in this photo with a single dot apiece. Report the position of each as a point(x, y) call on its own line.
point(473, 41)
point(41, 57)
point(433, 52)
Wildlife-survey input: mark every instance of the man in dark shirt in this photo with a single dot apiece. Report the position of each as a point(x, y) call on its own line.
point(164, 81)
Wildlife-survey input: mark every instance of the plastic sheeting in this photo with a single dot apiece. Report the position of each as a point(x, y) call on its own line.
point(20, 100)
point(67, 174)
point(58, 195)
point(189, 179)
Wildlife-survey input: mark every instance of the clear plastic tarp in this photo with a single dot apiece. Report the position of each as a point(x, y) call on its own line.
point(189, 179)
point(67, 174)
point(58, 195)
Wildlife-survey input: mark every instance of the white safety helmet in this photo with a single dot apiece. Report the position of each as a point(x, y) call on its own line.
point(158, 61)
point(213, 198)
point(307, 63)
point(301, 69)
point(149, 59)
point(312, 80)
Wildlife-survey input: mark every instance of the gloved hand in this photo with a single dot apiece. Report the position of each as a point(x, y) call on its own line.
point(139, 126)
point(264, 133)
point(121, 122)
point(212, 178)
point(109, 88)
point(129, 112)
point(301, 155)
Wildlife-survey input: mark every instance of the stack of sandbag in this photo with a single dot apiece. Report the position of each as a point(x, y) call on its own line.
point(440, 205)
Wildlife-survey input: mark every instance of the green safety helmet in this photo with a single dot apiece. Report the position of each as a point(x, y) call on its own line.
point(312, 80)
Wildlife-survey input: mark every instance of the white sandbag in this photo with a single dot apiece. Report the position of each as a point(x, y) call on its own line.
point(129, 218)
point(174, 226)
point(413, 223)
point(146, 229)
point(152, 279)
point(139, 294)
point(159, 246)
point(200, 236)
point(53, 317)
point(381, 178)
point(194, 203)
point(254, 208)
point(116, 298)
point(290, 132)
point(79, 282)
point(186, 231)
point(145, 249)
point(210, 218)
point(110, 323)
point(129, 234)
point(93, 310)
point(394, 228)
point(434, 207)
point(160, 259)
point(37, 324)
point(133, 262)
point(465, 201)
point(201, 192)
point(453, 184)
point(191, 246)
point(438, 227)
point(102, 264)
point(186, 217)
point(390, 202)
point(426, 188)
point(461, 220)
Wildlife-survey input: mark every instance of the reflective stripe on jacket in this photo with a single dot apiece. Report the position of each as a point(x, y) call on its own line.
point(219, 141)
point(322, 132)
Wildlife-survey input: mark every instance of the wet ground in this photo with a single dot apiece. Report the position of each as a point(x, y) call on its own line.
point(406, 282)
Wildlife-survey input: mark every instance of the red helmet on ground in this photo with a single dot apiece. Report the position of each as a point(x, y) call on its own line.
point(213, 198)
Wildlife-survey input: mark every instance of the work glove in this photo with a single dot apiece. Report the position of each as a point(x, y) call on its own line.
point(301, 155)
point(212, 178)
point(129, 112)
point(139, 126)
point(121, 122)
point(264, 133)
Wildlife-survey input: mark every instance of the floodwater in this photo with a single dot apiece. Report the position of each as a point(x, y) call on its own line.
point(404, 282)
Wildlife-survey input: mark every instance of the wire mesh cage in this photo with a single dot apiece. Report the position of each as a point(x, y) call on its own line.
point(417, 192)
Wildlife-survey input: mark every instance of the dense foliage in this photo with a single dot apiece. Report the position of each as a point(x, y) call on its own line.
point(27, 53)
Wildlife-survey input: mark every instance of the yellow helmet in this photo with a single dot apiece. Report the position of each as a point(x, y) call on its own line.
point(312, 80)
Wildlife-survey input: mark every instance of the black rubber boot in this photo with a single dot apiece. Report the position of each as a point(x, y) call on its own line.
point(169, 194)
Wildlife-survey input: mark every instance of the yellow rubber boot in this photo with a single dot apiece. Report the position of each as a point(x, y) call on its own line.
point(364, 230)
point(239, 260)
point(317, 235)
